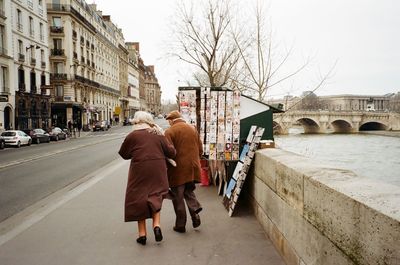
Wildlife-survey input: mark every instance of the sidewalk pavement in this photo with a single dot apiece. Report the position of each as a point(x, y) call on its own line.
point(84, 225)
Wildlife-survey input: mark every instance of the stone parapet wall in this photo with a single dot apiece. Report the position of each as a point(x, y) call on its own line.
point(321, 215)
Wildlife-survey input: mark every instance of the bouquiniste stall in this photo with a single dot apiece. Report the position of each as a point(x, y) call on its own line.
point(224, 118)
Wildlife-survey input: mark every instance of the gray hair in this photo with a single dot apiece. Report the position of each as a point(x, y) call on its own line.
point(143, 117)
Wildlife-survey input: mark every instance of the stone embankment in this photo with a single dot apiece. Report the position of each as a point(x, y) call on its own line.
point(320, 215)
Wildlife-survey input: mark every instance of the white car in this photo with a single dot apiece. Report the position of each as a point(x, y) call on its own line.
point(16, 137)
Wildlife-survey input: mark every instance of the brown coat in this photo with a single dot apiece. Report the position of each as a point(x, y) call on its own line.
point(189, 148)
point(147, 178)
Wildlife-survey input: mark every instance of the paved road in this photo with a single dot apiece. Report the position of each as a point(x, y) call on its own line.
point(31, 173)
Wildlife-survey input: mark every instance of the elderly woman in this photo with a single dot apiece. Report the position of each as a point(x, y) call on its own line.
point(147, 184)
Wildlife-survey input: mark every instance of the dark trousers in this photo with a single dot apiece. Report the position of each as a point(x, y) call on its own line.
point(180, 195)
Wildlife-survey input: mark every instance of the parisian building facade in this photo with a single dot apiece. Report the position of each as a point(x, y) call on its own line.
point(133, 80)
point(153, 90)
point(29, 75)
point(65, 61)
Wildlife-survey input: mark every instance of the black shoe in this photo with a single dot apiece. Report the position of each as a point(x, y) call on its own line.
point(157, 234)
point(198, 210)
point(196, 220)
point(179, 229)
point(141, 240)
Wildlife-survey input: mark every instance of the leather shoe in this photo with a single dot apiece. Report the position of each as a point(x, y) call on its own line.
point(179, 229)
point(196, 220)
point(157, 234)
point(198, 210)
point(141, 240)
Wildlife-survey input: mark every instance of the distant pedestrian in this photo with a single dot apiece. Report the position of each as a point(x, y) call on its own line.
point(147, 178)
point(79, 128)
point(183, 177)
point(69, 124)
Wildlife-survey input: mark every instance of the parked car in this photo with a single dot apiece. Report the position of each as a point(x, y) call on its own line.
point(56, 134)
point(16, 137)
point(100, 126)
point(2, 142)
point(38, 135)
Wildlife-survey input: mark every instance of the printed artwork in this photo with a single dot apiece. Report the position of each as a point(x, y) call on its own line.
point(235, 184)
point(219, 120)
point(187, 106)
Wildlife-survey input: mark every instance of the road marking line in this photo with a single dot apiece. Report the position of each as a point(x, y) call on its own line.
point(48, 208)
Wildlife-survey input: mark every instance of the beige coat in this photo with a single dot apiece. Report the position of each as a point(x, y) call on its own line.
point(189, 148)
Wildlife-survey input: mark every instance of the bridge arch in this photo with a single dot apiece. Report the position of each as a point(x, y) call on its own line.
point(309, 125)
point(373, 126)
point(341, 126)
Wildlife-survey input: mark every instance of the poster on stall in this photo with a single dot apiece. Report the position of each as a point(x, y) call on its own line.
point(187, 106)
point(218, 118)
point(235, 184)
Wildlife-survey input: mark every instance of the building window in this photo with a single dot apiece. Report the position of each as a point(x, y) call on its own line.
point(20, 47)
point(40, 7)
point(41, 32)
point(57, 22)
point(57, 44)
point(2, 40)
point(42, 56)
point(4, 80)
point(19, 20)
point(59, 91)
point(31, 26)
point(58, 68)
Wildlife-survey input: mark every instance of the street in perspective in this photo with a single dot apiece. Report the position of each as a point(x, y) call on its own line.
point(199, 132)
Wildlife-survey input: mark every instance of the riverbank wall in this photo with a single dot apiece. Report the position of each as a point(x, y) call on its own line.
point(321, 215)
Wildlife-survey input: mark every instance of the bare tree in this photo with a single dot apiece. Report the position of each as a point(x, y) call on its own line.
point(203, 40)
point(259, 58)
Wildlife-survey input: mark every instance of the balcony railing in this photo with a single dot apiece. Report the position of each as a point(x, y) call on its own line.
point(33, 61)
point(43, 64)
point(20, 27)
point(56, 29)
point(21, 87)
point(57, 52)
point(33, 89)
point(21, 57)
point(58, 76)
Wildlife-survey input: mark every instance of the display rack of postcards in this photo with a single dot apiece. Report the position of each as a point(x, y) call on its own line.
point(239, 175)
point(219, 118)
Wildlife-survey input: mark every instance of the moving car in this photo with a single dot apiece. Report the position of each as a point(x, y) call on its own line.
point(56, 134)
point(100, 126)
point(16, 138)
point(38, 136)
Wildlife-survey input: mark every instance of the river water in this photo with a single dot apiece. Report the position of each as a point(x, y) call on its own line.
point(372, 156)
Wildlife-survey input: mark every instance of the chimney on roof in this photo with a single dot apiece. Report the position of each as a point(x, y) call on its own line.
point(151, 67)
point(107, 18)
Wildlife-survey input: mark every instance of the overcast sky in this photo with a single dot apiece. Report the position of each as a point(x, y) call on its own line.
point(363, 36)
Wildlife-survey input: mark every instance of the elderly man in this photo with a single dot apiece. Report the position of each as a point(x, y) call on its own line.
point(183, 177)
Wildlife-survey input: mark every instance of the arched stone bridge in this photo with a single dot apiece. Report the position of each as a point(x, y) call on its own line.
point(324, 121)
